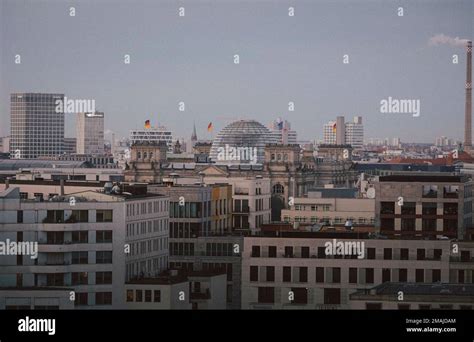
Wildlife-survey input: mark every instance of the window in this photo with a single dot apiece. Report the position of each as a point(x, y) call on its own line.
point(286, 274)
point(103, 257)
point(436, 276)
point(79, 278)
point(461, 276)
point(288, 252)
point(387, 254)
point(148, 296)
point(138, 295)
point(80, 237)
point(320, 274)
point(80, 258)
point(450, 191)
point(336, 275)
point(300, 295)
point(129, 295)
point(369, 275)
point(266, 295)
point(420, 254)
point(408, 208)
point(437, 254)
point(404, 254)
point(303, 274)
point(321, 252)
point(157, 296)
point(370, 253)
point(272, 251)
point(270, 273)
point(332, 296)
point(387, 208)
point(103, 298)
point(429, 208)
point(103, 236)
point(403, 306)
point(81, 298)
point(305, 252)
point(385, 275)
point(103, 278)
point(103, 216)
point(79, 216)
point(402, 275)
point(19, 216)
point(253, 273)
point(373, 306)
point(352, 275)
point(430, 191)
point(255, 251)
point(419, 275)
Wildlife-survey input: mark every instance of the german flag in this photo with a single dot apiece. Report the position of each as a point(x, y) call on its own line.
point(147, 124)
point(210, 127)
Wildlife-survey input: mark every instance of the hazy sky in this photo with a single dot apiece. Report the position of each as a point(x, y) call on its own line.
point(282, 59)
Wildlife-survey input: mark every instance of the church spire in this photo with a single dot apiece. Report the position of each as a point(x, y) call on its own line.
point(194, 135)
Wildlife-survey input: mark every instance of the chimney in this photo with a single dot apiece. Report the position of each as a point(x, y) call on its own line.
point(468, 111)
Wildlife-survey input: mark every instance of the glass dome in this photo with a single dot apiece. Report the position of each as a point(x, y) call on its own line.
point(241, 142)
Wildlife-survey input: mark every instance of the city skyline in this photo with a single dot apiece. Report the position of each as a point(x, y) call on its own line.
point(280, 61)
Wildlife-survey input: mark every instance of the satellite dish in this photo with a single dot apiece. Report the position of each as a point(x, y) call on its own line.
point(371, 193)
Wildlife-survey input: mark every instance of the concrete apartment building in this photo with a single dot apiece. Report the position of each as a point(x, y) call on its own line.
point(90, 133)
point(411, 205)
point(82, 244)
point(274, 266)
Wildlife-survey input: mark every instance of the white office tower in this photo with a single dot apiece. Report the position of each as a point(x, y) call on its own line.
point(355, 133)
point(281, 131)
point(329, 137)
point(90, 133)
point(153, 134)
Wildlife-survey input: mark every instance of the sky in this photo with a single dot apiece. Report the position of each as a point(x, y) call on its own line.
point(282, 58)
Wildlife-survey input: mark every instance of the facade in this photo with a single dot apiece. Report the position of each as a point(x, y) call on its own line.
point(37, 130)
point(90, 244)
point(442, 296)
point(201, 231)
point(153, 135)
point(70, 145)
point(293, 270)
point(331, 211)
point(90, 133)
point(354, 132)
point(427, 206)
point(329, 133)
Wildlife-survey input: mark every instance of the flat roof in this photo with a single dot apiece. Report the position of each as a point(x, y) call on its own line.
point(424, 178)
